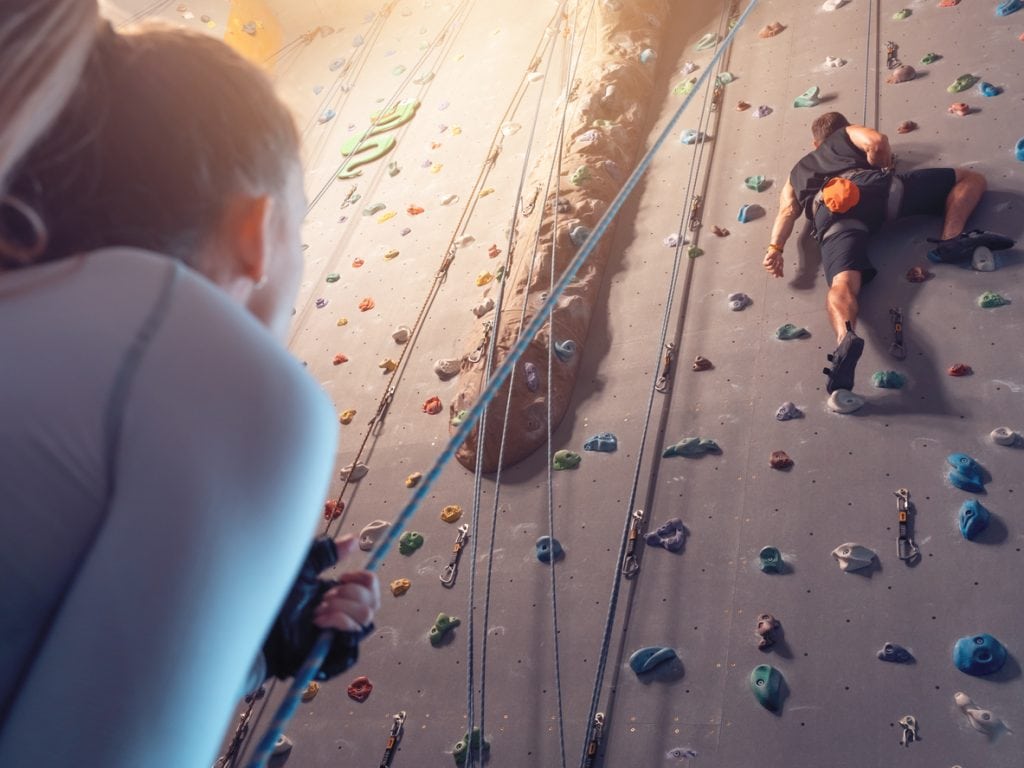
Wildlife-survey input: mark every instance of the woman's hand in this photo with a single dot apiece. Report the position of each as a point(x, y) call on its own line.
point(352, 604)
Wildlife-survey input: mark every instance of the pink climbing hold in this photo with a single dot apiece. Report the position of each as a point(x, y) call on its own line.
point(902, 75)
point(960, 109)
point(771, 30)
point(339, 359)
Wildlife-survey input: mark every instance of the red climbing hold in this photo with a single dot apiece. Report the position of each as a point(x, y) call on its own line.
point(333, 509)
point(918, 274)
point(960, 369)
point(414, 210)
point(742, 106)
point(366, 304)
point(360, 688)
point(433, 406)
point(948, 3)
point(339, 359)
point(494, 251)
point(780, 460)
point(718, 231)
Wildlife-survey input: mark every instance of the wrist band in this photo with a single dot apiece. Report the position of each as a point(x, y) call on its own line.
point(774, 247)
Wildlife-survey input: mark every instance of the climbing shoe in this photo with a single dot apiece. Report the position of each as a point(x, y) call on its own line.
point(961, 248)
point(844, 361)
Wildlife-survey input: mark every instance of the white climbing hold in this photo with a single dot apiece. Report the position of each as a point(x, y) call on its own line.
point(853, 557)
point(983, 260)
point(739, 301)
point(671, 240)
point(447, 367)
point(609, 92)
point(1004, 436)
point(510, 129)
point(282, 746)
point(483, 307)
point(465, 240)
point(402, 334)
point(844, 401)
point(449, 199)
point(371, 532)
point(353, 472)
point(688, 67)
point(832, 5)
point(980, 719)
point(534, 77)
point(834, 62)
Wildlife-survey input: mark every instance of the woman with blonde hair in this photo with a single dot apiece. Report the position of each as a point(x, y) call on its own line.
point(162, 457)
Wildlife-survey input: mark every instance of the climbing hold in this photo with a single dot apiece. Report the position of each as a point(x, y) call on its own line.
point(724, 78)
point(647, 55)
point(979, 654)
point(671, 535)
point(333, 277)
point(770, 560)
point(809, 98)
point(387, 365)
point(510, 129)
point(603, 442)
point(282, 746)
point(710, 40)
point(960, 369)
point(962, 83)
point(894, 653)
point(494, 251)
point(989, 299)
point(476, 744)
point(311, 691)
point(579, 234)
point(347, 416)
point(393, 169)
point(762, 111)
point(366, 304)
point(742, 106)
point(780, 460)
point(387, 216)
point(374, 209)
point(930, 58)
point(738, 301)
point(834, 62)
point(339, 358)
point(765, 682)
point(409, 542)
point(414, 210)
point(443, 624)
point(966, 473)
point(401, 334)
point(548, 548)
point(980, 719)
point(483, 307)
point(321, 303)
point(689, 67)
point(411, 481)
point(432, 406)
point(701, 364)
point(680, 753)
point(353, 473)
point(565, 350)
point(1007, 7)
point(749, 213)
point(459, 417)
point(647, 659)
point(691, 447)
point(333, 509)
point(770, 30)
point(1018, 150)
point(902, 74)
point(451, 513)
point(788, 411)
point(906, 126)
point(983, 260)
point(765, 632)
point(973, 519)
point(565, 459)
point(400, 586)
point(580, 176)
point(671, 240)
point(335, 65)
point(756, 183)
point(853, 557)
point(948, 3)
point(484, 278)
point(449, 199)
point(917, 275)
point(832, 5)
point(357, 263)
point(718, 231)
point(694, 252)
point(326, 116)
point(789, 331)
point(371, 532)
point(393, 253)
point(1004, 436)
point(691, 136)
point(445, 368)
point(901, 14)
point(960, 109)
point(532, 377)
point(359, 689)
point(888, 379)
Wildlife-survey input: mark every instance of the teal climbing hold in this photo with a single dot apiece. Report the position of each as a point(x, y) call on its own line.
point(966, 473)
point(443, 625)
point(604, 442)
point(710, 40)
point(564, 459)
point(990, 299)
point(647, 659)
point(756, 183)
point(770, 560)
point(470, 743)
point(901, 14)
point(410, 542)
point(809, 98)
point(979, 654)
point(691, 136)
point(1007, 7)
point(565, 350)
point(930, 58)
point(749, 213)
point(788, 332)
point(724, 78)
point(888, 379)
point(962, 83)
point(549, 549)
point(766, 683)
point(1018, 150)
point(691, 447)
point(973, 519)
point(987, 89)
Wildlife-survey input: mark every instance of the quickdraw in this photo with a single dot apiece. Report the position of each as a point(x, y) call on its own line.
point(897, 348)
point(906, 549)
point(666, 368)
point(596, 734)
point(631, 565)
point(696, 209)
point(477, 354)
point(451, 570)
point(393, 738)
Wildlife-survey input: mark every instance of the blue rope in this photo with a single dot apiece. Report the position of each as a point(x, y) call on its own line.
point(490, 391)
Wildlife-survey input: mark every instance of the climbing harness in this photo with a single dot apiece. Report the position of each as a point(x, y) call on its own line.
point(897, 348)
point(451, 570)
point(594, 742)
point(666, 368)
point(906, 549)
point(909, 733)
point(631, 565)
point(393, 738)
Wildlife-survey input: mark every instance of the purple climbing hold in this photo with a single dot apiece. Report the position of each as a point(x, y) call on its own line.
point(762, 111)
point(896, 654)
point(670, 536)
point(532, 377)
point(604, 442)
point(321, 303)
point(788, 411)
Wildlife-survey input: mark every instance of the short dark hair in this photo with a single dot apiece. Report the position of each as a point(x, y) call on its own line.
point(828, 124)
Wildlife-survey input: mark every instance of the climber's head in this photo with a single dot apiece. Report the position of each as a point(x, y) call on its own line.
point(826, 125)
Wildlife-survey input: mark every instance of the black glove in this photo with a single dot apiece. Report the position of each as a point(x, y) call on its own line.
point(294, 633)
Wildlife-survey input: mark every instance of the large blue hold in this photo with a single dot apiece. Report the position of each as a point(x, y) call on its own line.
point(967, 474)
point(1019, 150)
point(604, 442)
point(973, 519)
point(646, 659)
point(1007, 7)
point(979, 655)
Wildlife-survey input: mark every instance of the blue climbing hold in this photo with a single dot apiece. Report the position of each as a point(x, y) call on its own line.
point(979, 654)
point(548, 548)
point(564, 350)
point(691, 446)
point(647, 55)
point(691, 136)
point(670, 536)
point(1019, 150)
point(966, 474)
point(973, 519)
point(579, 235)
point(987, 89)
point(646, 659)
point(888, 379)
point(788, 411)
point(749, 213)
point(897, 654)
point(1007, 7)
point(604, 442)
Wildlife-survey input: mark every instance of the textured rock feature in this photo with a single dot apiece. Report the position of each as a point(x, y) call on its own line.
point(618, 127)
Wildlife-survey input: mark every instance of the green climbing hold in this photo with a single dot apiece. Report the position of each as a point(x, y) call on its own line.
point(990, 299)
point(693, 252)
point(691, 446)
point(930, 58)
point(756, 183)
point(580, 176)
point(475, 743)
point(788, 331)
point(888, 379)
point(443, 624)
point(962, 83)
point(809, 98)
point(771, 560)
point(901, 14)
point(765, 682)
point(410, 542)
point(724, 78)
point(684, 88)
point(458, 418)
point(710, 40)
point(565, 460)
point(375, 208)
point(400, 69)
point(333, 277)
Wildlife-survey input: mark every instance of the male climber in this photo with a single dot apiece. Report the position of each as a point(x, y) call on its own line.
point(847, 187)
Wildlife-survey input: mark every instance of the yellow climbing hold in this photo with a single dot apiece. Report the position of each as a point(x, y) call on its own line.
point(486, 191)
point(400, 586)
point(386, 216)
point(436, 167)
point(342, 321)
point(393, 253)
point(413, 480)
point(387, 365)
point(451, 513)
point(346, 416)
point(456, 130)
point(311, 691)
point(484, 278)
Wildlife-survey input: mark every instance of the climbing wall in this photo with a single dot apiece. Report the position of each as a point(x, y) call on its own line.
point(454, 68)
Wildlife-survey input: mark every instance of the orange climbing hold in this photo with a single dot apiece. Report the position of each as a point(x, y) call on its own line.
point(960, 369)
point(960, 109)
point(718, 231)
point(948, 3)
point(494, 251)
point(333, 509)
point(433, 406)
point(742, 106)
point(357, 262)
point(339, 359)
point(366, 304)
point(414, 210)
point(771, 30)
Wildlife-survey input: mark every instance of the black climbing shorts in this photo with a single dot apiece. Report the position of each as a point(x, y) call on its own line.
point(925, 191)
point(845, 251)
